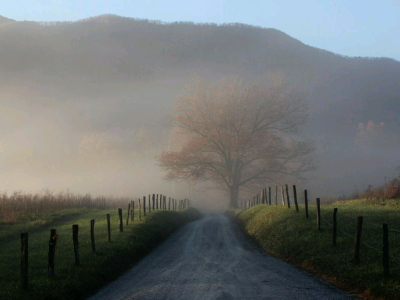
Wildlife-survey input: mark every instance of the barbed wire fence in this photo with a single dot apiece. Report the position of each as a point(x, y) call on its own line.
point(380, 239)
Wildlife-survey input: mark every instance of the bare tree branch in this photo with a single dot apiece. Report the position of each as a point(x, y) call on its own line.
point(238, 136)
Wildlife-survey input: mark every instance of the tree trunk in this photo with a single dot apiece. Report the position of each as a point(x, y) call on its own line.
point(233, 196)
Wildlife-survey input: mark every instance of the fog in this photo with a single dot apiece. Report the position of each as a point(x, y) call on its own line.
point(72, 118)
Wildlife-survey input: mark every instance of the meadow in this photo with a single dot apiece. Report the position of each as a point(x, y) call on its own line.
point(21, 205)
point(288, 235)
point(96, 269)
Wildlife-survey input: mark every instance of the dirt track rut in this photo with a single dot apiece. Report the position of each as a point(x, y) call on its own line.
point(211, 259)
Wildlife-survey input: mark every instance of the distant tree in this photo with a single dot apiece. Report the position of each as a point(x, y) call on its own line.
point(239, 136)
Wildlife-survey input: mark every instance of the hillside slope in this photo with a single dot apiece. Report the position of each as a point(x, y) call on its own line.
point(111, 72)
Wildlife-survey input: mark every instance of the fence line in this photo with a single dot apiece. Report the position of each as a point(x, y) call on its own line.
point(183, 204)
point(245, 204)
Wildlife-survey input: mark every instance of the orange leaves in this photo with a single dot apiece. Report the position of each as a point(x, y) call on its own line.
point(236, 133)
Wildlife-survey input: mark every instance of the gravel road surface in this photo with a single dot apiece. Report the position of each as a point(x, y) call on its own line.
point(211, 259)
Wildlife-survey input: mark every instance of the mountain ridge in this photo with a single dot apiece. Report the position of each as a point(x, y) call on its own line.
point(109, 72)
point(5, 20)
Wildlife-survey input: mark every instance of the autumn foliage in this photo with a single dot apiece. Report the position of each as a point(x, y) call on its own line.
point(238, 136)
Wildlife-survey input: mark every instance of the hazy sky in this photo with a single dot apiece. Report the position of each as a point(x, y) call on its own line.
point(353, 28)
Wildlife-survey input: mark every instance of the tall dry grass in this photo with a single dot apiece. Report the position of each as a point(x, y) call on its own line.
point(389, 190)
point(17, 205)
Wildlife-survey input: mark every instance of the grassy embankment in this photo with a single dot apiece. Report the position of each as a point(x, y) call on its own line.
point(291, 237)
point(108, 262)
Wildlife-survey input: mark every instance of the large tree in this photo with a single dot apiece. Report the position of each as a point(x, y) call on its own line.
point(238, 136)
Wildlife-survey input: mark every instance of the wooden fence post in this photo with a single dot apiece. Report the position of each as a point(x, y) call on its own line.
point(144, 205)
point(92, 235)
point(129, 210)
point(109, 227)
point(269, 194)
point(385, 254)
point(169, 203)
point(24, 260)
point(276, 195)
point(157, 202)
point(139, 210)
point(282, 194)
point(295, 198)
point(132, 210)
point(121, 224)
point(334, 226)
point(287, 195)
point(154, 199)
point(266, 195)
point(149, 204)
point(318, 214)
point(161, 197)
point(76, 243)
point(358, 239)
point(165, 202)
point(306, 203)
point(52, 251)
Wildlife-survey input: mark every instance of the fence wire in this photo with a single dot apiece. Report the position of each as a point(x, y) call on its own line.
point(366, 231)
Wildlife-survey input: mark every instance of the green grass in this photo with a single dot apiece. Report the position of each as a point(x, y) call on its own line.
point(108, 262)
point(289, 236)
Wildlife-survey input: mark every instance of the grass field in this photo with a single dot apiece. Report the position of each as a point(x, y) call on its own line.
point(96, 269)
point(291, 237)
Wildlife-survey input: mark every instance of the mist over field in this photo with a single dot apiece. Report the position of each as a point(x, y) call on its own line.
point(83, 105)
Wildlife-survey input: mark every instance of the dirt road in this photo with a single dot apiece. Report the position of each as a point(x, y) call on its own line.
point(211, 259)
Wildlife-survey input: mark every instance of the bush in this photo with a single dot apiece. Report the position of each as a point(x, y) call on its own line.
point(390, 190)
